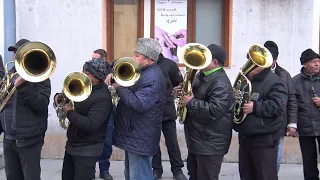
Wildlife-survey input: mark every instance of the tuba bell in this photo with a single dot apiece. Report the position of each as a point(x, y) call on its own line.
point(195, 56)
point(125, 73)
point(258, 56)
point(77, 87)
point(34, 62)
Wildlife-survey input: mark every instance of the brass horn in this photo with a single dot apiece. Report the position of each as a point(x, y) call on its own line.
point(126, 73)
point(259, 56)
point(77, 87)
point(34, 62)
point(195, 56)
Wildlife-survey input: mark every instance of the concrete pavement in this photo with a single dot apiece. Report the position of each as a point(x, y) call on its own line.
point(51, 170)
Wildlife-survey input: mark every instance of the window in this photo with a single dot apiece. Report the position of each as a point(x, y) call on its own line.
point(209, 22)
point(124, 27)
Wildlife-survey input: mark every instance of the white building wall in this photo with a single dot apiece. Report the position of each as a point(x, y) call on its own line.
point(292, 24)
point(73, 29)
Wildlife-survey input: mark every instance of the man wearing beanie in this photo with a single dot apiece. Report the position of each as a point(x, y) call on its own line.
point(290, 115)
point(137, 125)
point(208, 125)
point(88, 125)
point(259, 133)
point(307, 84)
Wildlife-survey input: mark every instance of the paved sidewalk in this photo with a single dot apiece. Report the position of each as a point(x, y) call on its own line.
point(51, 170)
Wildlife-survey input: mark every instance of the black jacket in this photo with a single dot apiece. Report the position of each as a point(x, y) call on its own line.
point(87, 130)
point(2, 72)
point(173, 78)
point(268, 108)
point(208, 125)
point(308, 112)
point(291, 111)
point(28, 113)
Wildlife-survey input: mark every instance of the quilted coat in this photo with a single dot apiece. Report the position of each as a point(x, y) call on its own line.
point(137, 127)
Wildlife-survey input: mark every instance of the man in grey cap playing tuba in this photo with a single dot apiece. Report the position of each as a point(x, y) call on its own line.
point(137, 126)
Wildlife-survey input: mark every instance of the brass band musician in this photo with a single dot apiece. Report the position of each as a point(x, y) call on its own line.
point(24, 123)
point(88, 125)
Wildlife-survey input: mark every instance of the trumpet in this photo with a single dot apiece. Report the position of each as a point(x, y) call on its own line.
point(125, 74)
point(34, 62)
point(77, 87)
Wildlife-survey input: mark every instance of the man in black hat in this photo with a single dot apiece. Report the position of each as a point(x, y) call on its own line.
point(24, 121)
point(307, 84)
point(290, 115)
point(173, 78)
point(208, 125)
point(259, 133)
point(88, 125)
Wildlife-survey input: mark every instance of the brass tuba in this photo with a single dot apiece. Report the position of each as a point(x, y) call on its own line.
point(77, 87)
point(195, 56)
point(34, 62)
point(125, 73)
point(258, 56)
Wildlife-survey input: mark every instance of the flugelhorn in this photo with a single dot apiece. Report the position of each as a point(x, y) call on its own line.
point(34, 62)
point(258, 56)
point(77, 87)
point(195, 56)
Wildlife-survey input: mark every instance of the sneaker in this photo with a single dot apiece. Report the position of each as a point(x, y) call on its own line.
point(180, 176)
point(106, 176)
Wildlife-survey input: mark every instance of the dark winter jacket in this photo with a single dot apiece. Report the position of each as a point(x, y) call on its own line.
point(208, 125)
point(87, 131)
point(308, 112)
point(138, 121)
point(173, 78)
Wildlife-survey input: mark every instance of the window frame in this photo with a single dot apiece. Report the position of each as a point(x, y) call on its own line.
point(227, 6)
point(108, 29)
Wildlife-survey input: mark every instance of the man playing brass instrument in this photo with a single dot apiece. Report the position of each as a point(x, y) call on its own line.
point(88, 124)
point(104, 160)
point(137, 126)
point(260, 131)
point(24, 122)
point(208, 125)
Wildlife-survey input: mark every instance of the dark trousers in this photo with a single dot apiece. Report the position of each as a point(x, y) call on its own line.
point(78, 167)
point(22, 163)
point(258, 158)
point(204, 167)
point(309, 156)
point(104, 160)
point(170, 134)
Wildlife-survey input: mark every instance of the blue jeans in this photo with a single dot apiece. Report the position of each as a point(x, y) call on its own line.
point(104, 162)
point(138, 167)
point(280, 146)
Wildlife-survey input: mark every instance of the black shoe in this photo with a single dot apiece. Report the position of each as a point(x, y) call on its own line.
point(157, 175)
point(179, 176)
point(106, 176)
